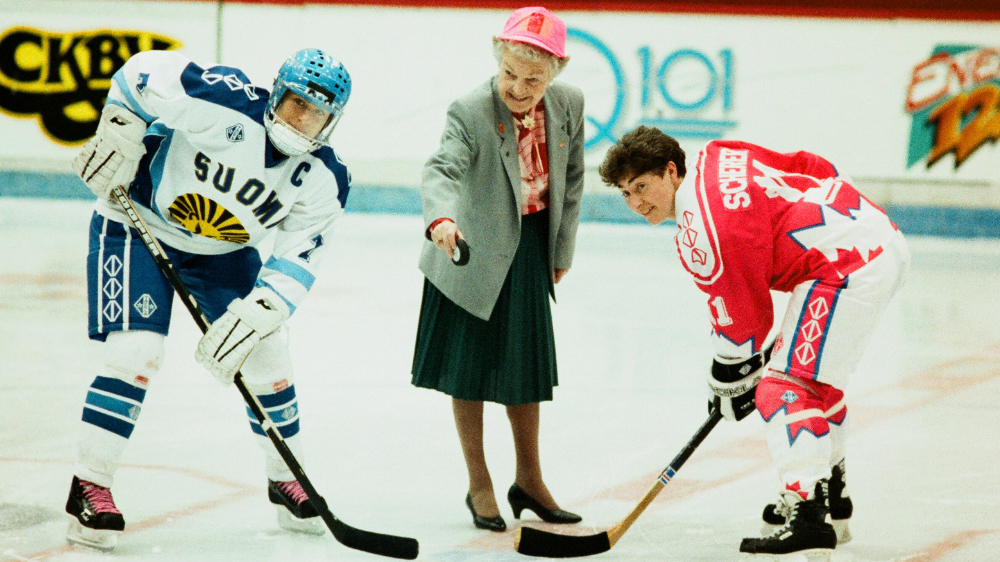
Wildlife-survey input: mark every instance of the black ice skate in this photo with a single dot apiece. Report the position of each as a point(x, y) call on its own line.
point(806, 534)
point(841, 508)
point(96, 521)
point(295, 513)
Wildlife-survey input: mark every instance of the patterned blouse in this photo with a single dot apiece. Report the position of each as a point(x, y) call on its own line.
point(534, 159)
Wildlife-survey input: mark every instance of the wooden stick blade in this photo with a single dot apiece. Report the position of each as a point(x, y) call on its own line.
point(535, 542)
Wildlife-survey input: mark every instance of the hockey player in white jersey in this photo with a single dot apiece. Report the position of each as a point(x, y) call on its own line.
point(214, 165)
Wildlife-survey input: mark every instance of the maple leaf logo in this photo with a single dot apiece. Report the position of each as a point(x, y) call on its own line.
point(797, 488)
point(858, 232)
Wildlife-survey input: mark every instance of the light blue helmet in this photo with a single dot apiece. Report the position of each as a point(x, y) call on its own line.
point(318, 78)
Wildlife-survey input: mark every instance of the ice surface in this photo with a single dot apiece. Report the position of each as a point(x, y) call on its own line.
point(631, 333)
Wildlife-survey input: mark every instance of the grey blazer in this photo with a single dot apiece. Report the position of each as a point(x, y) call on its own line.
point(474, 178)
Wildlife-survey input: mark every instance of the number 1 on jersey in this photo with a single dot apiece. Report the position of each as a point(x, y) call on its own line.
point(721, 316)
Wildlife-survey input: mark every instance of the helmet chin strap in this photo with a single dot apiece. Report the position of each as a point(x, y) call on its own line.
point(289, 140)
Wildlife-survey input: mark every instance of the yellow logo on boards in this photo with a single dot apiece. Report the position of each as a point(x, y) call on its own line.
point(62, 79)
point(954, 100)
point(205, 217)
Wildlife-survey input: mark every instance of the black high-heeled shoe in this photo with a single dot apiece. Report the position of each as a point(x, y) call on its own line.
point(520, 500)
point(496, 524)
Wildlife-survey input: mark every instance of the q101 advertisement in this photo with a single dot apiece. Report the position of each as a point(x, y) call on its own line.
point(899, 100)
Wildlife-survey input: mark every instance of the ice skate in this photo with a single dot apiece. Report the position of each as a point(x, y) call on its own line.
point(295, 513)
point(96, 522)
point(806, 535)
point(841, 508)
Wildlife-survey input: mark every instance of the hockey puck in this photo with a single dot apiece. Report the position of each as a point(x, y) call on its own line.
point(461, 254)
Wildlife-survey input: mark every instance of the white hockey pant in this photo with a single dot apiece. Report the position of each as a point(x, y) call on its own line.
point(823, 336)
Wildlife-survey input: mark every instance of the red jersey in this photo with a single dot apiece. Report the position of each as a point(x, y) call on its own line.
point(754, 220)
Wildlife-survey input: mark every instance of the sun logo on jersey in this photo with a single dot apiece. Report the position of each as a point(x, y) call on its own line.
point(205, 217)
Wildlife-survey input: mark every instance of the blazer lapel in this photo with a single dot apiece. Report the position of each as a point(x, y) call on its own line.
point(556, 141)
point(505, 129)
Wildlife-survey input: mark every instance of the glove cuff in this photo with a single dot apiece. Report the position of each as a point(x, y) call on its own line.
point(124, 129)
point(262, 309)
point(736, 388)
point(270, 296)
point(731, 370)
point(734, 377)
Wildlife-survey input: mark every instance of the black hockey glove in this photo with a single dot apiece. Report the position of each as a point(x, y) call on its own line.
point(733, 384)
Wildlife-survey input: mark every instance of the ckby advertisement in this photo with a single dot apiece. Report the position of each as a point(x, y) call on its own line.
point(57, 60)
point(61, 79)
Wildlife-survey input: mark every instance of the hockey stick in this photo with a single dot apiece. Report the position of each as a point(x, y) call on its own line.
point(375, 543)
point(535, 542)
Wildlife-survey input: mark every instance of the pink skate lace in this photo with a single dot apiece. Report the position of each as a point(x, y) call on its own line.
point(294, 489)
point(99, 498)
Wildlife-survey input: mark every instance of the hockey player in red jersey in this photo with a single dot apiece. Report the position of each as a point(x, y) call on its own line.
point(752, 220)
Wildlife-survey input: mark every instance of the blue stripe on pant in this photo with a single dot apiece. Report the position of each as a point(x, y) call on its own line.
point(104, 421)
point(109, 396)
point(283, 410)
point(113, 405)
point(285, 431)
point(119, 387)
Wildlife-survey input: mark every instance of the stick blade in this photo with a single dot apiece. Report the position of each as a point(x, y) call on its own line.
point(391, 546)
point(535, 542)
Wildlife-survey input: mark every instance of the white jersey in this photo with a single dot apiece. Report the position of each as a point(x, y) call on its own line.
point(211, 183)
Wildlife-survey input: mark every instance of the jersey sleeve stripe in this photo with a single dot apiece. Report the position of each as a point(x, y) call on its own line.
point(132, 104)
point(226, 87)
point(292, 270)
point(157, 166)
point(339, 171)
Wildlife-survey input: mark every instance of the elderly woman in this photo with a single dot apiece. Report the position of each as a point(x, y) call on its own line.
point(507, 179)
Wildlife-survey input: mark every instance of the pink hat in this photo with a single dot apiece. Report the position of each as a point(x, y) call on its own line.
point(539, 27)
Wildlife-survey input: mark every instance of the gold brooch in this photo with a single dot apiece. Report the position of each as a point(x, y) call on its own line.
point(528, 122)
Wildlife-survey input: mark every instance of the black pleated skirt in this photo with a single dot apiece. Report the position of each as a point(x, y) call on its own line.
point(509, 359)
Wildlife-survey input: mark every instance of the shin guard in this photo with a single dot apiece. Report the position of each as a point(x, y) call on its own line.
point(268, 375)
point(114, 401)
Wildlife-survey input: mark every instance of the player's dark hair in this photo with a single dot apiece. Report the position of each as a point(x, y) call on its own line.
point(643, 149)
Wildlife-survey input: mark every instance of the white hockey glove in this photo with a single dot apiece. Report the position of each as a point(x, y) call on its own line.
point(111, 158)
point(733, 383)
point(228, 342)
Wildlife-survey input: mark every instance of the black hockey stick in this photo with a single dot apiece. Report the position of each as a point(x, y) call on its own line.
point(535, 542)
point(375, 543)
